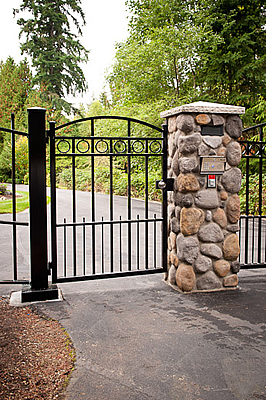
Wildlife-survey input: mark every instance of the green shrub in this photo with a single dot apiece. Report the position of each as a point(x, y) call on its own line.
point(253, 197)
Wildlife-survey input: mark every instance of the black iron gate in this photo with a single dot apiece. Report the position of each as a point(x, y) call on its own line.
point(15, 275)
point(253, 219)
point(112, 236)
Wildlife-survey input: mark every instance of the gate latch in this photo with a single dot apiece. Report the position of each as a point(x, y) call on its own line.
point(168, 185)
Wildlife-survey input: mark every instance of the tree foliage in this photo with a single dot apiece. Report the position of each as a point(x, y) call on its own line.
point(15, 86)
point(54, 49)
point(182, 51)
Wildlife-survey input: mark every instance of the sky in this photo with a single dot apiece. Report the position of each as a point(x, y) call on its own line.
point(106, 24)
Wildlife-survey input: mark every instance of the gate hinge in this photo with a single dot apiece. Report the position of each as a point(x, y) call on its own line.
point(47, 136)
point(49, 268)
point(168, 185)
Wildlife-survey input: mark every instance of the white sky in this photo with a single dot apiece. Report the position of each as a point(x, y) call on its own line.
point(106, 24)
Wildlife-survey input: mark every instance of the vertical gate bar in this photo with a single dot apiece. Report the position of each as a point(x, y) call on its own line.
point(65, 248)
point(164, 207)
point(120, 244)
point(260, 193)
point(102, 247)
point(14, 211)
point(264, 241)
point(154, 238)
point(240, 238)
point(74, 208)
point(93, 197)
point(84, 246)
point(129, 196)
point(247, 205)
point(146, 205)
point(253, 240)
point(138, 241)
point(37, 198)
point(53, 201)
point(111, 209)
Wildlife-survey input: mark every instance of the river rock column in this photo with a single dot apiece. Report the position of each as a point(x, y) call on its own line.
point(203, 245)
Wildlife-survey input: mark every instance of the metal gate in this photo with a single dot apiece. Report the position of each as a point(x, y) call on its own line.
point(103, 235)
point(14, 275)
point(253, 221)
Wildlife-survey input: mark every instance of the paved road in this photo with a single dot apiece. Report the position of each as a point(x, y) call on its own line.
point(137, 338)
point(102, 235)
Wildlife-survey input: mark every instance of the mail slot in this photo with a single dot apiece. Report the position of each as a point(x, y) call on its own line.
point(212, 165)
point(210, 130)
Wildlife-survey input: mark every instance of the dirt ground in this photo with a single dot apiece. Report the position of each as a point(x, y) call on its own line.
point(36, 354)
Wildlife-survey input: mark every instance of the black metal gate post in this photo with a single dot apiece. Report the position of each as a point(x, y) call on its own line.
point(38, 213)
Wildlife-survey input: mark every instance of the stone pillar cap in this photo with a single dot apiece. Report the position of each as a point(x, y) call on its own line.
point(203, 107)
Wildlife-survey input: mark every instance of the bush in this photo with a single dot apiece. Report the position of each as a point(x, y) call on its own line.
point(253, 197)
point(3, 189)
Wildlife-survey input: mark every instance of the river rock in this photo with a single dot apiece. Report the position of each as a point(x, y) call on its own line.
point(233, 228)
point(208, 281)
point(230, 281)
point(185, 277)
point(171, 210)
point(172, 237)
point(191, 220)
point(221, 152)
point(171, 275)
point(231, 180)
point(189, 144)
point(223, 195)
point(202, 264)
point(212, 141)
point(175, 164)
point(172, 124)
point(187, 183)
point(220, 218)
point(187, 164)
point(233, 209)
point(211, 233)
point(226, 139)
point(174, 259)
point(183, 200)
point(221, 267)
point(234, 126)
point(203, 119)
point(235, 266)
point(233, 153)
point(171, 145)
point(231, 248)
point(211, 250)
point(207, 199)
point(187, 248)
point(203, 149)
point(217, 119)
point(177, 211)
point(208, 216)
point(174, 225)
point(185, 123)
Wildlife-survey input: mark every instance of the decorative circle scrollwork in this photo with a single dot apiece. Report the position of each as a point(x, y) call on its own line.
point(137, 146)
point(155, 146)
point(61, 144)
point(120, 146)
point(243, 149)
point(255, 149)
point(101, 146)
point(80, 145)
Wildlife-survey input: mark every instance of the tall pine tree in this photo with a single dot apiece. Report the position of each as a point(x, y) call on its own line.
point(55, 50)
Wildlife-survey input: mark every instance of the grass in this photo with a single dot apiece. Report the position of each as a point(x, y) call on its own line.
point(21, 203)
